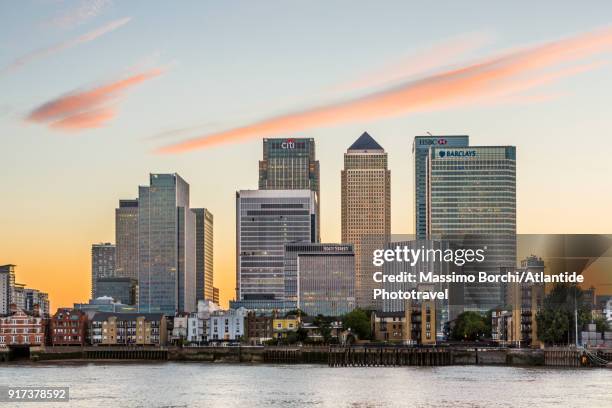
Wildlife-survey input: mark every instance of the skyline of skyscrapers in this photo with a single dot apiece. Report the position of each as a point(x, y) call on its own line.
point(365, 210)
point(169, 246)
point(103, 262)
point(166, 246)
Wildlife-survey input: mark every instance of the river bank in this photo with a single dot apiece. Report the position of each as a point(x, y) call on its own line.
point(367, 356)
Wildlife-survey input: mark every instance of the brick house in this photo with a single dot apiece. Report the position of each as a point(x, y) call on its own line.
point(22, 329)
point(68, 327)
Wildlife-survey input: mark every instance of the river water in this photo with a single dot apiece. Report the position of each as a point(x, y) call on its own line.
point(225, 385)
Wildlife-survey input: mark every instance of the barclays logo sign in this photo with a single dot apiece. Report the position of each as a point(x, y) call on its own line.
point(457, 153)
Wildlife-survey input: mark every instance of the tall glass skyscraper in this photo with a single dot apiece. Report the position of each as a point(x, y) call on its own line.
point(471, 201)
point(420, 149)
point(126, 239)
point(366, 210)
point(166, 246)
point(204, 254)
point(266, 220)
point(290, 164)
point(103, 261)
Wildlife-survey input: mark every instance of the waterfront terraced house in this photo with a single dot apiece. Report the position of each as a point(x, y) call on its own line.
point(388, 326)
point(22, 329)
point(129, 329)
point(284, 325)
point(68, 327)
point(259, 328)
point(226, 325)
point(179, 328)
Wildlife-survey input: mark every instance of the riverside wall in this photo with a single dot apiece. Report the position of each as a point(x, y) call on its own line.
point(363, 355)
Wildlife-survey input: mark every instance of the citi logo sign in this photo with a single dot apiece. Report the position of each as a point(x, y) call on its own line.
point(288, 144)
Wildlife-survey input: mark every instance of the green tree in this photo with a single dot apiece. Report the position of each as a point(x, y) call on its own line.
point(553, 326)
point(324, 325)
point(471, 326)
point(601, 324)
point(296, 312)
point(359, 323)
point(556, 322)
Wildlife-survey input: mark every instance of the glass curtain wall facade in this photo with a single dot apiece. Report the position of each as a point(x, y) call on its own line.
point(266, 220)
point(103, 261)
point(126, 239)
point(420, 150)
point(324, 277)
point(290, 164)
point(471, 194)
point(166, 226)
point(204, 254)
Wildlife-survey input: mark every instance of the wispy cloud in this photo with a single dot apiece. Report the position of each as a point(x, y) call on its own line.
point(83, 12)
point(73, 42)
point(483, 80)
point(89, 108)
point(434, 57)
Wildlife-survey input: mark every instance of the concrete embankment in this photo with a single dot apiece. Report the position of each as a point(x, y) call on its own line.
point(365, 355)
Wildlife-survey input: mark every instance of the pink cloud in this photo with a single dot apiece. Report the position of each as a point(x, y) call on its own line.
point(483, 81)
point(84, 120)
point(86, 109)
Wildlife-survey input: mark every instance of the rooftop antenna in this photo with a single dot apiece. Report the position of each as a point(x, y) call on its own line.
point(429, 133)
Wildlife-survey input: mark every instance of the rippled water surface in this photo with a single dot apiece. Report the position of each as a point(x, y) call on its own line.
point(224, 385)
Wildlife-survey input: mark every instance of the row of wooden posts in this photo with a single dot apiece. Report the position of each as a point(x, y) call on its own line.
point(381, 356)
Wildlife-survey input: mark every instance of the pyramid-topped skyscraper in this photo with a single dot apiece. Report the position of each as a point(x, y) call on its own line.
point(366, 210)
point(366, 142)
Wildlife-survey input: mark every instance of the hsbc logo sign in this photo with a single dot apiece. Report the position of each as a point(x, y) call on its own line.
point(431, 142)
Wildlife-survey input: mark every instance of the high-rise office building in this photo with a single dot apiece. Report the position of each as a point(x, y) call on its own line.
point(7, 281)
point(471, 201)
point(204, 254)
point(366, 210)
point(324, 275)
point(126, 239)
point(290, 164)
point(265, 221)
point(166, 246)
point(121, 289)
point(420, 148)
point(103, 261)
